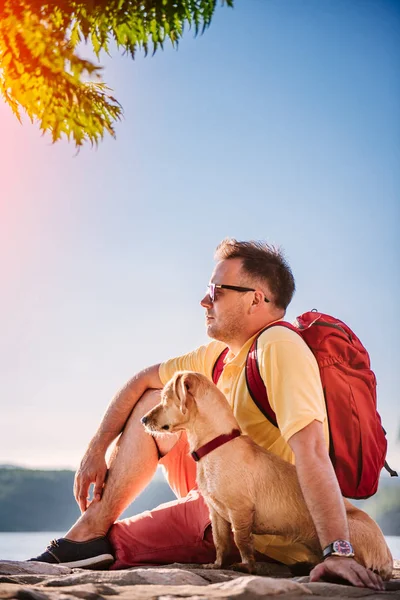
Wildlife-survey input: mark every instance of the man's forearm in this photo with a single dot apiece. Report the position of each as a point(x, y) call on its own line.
point(121, 406)
point(319, 485)
point(323, 498)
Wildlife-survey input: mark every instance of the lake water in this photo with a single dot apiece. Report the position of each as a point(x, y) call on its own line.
point(21, 545)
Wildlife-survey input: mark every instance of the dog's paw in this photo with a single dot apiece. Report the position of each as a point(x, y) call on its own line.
point(213, 566)
point(245, 567)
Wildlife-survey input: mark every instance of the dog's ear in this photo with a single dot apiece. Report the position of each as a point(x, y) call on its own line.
point(185, 383)
point(180, 391)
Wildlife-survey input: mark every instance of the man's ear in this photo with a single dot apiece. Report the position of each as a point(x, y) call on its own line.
point(258, 301)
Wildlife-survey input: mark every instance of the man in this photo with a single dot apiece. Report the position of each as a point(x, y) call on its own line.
point(250, 288)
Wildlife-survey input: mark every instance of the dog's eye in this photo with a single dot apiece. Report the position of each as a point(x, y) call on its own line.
point(166, 427)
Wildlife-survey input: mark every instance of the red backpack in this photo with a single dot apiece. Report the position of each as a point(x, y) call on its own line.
point(357, 439)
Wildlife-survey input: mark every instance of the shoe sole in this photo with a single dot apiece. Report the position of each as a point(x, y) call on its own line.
point(94, 562)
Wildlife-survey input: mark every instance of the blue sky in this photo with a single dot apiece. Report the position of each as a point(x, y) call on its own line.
point(281, 123)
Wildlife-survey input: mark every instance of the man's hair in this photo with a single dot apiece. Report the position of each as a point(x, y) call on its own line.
point(263, 262)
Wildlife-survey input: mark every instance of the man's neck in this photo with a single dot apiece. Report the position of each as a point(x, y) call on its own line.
point(236, 345)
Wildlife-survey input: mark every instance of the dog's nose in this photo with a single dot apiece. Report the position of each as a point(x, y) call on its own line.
point(144, 420)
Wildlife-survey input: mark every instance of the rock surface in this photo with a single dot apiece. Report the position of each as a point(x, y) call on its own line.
point(39, 581)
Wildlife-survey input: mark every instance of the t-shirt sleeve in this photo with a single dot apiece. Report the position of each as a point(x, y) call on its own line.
point(291, 375)
point(201, 360)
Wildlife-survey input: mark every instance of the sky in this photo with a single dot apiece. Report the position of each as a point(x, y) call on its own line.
point(280, 123)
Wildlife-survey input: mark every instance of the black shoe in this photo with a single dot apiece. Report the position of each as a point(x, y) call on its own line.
point(94, 554)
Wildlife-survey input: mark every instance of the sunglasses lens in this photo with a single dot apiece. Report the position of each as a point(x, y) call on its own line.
point(211, 292)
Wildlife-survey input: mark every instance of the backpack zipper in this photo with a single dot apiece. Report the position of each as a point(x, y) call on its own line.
point(325, 324)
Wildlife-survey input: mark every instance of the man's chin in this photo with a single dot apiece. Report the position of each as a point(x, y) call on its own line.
point(210, 331)
point(213, 333)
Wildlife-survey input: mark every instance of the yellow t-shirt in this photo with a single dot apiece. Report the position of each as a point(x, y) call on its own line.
point(291, 376)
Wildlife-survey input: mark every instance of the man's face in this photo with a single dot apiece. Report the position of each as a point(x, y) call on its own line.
point(226, 316)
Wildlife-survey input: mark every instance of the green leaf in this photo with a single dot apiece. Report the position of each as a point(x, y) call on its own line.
point(42, 74)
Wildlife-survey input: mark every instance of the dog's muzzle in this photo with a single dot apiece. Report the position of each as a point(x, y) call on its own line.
point(146, 421)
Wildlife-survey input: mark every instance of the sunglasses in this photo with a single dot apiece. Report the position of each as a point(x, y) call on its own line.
point(236, 288)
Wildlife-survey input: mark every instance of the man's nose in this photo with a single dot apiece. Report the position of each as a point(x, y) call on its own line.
point(206, 301)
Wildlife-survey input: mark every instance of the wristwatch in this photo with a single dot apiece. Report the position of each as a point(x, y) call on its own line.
point(339, 548)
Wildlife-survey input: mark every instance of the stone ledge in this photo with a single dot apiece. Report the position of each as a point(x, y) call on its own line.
point(40, 581)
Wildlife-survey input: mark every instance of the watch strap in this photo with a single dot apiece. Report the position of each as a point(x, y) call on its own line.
point(327, 551)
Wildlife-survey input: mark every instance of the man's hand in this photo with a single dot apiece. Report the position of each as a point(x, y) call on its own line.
point(93, 469)
point(346, 568)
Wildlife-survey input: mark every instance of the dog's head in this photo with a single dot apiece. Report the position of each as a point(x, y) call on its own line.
point(178, 407)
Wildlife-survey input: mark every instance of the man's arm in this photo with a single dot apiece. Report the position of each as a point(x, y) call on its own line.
point(324, 500)
point(93, 467)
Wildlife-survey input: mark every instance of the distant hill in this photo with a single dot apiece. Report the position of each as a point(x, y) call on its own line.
point(384, 507)
point(39, 500)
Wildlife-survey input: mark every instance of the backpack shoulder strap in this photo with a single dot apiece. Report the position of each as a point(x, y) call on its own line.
point(219, 366)
point(255, 383)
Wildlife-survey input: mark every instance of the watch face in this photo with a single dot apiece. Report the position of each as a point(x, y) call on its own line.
point(342, 547)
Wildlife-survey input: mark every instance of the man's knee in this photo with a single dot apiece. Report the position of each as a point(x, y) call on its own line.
point(146, 402)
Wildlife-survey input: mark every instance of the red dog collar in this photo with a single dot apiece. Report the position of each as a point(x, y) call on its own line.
point(215, 443)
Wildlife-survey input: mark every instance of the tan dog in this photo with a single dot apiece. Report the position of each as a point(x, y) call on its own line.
point(246, 487)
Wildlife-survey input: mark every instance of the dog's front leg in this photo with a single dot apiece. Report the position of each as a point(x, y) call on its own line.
point(242, 525)
point(221, 530)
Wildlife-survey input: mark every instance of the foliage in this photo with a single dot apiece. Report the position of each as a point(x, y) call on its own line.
point(37, 500)
point(42, 73)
